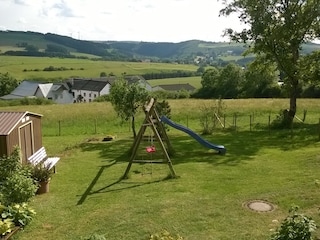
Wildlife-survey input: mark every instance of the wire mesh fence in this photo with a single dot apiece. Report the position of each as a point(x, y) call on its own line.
point(236, 122)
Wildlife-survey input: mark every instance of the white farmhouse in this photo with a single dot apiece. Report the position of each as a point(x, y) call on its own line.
point(86, 90)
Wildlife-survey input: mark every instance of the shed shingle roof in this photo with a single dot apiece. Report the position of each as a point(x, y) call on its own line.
point(8, 121)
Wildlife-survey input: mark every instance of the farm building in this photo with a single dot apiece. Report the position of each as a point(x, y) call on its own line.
point(134, 79)
point(86, 90)
point(22, 129)
point(29, 89)
point(60, 93)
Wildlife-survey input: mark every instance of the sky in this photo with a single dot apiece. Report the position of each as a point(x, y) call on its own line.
point(120, 20)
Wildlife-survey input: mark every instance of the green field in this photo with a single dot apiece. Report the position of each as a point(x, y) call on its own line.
point(31, 67)
point(207, 201)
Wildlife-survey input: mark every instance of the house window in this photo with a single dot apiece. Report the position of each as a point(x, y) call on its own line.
point(89, 94)
point(84, 94)
point(73, 94)
point(89, 100)
point(94, 95)
point(56, 96)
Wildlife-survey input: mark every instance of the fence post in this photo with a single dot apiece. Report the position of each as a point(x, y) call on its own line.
point(187, 121)
point(224, 121)
point(59, 128)
point(319, 129)
point(269, 123)
point(304, 115)
point(250, 122)
point(95, 126)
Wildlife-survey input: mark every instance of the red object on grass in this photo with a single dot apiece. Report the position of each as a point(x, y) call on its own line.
point(150, 149)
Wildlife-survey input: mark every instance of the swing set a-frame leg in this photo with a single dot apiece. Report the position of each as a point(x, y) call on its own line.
point(135, 149)
point(152, 120)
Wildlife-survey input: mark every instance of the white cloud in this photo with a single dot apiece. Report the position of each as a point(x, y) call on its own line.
point(138, 20)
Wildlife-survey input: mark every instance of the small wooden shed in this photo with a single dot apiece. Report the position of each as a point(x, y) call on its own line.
point(22, 129)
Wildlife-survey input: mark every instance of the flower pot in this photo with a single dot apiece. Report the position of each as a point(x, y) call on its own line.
point(43, 187)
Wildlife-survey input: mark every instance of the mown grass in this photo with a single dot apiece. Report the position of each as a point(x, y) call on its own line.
point(208, 199)
point(16, 66)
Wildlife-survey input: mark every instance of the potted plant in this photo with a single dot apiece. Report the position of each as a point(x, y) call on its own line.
point(42, 176)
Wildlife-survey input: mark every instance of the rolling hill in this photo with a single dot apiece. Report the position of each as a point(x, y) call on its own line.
point(118, 50)
point(15, 43)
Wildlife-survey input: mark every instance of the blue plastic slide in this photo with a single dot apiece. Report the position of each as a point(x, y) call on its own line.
point(221, 149)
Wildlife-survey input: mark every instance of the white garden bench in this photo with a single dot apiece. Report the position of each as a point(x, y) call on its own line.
point(41, 157)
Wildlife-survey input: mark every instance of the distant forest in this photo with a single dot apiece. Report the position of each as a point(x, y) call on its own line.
point(197, 52)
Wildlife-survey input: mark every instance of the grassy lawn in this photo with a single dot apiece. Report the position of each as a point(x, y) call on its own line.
point(208, 199)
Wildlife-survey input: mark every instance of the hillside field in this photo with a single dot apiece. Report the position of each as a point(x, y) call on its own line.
point(31, 67)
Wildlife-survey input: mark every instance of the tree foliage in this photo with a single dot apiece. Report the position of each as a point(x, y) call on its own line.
point(261, 80)
point(7, 84)
point(277, 29)
point(229, 81)
point(127, 99)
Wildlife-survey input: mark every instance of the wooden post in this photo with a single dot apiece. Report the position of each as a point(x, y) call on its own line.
point(319, 129)
point(59, 129)
point(304, 115)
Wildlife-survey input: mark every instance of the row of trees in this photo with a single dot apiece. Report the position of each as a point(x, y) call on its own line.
point(233, 81)
point(276, 30)
point(260, 79)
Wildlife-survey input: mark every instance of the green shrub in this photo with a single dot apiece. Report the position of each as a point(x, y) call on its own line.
point(16, 182)
point(295, 227)
point(9, 165)
point(17, 215)
point(6, 226)
point(21, 214)
point(282, 120)
point(18, 188)
point(209, 116)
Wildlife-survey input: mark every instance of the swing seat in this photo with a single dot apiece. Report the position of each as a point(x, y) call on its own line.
point(150, 149)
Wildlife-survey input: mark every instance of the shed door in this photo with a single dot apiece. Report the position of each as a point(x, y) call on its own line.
point(26, 141)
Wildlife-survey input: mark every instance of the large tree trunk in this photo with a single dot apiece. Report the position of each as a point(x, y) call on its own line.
point(294, 86)
point(294, 91)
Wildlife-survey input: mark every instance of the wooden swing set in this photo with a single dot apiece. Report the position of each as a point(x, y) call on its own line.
point(152, 121)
